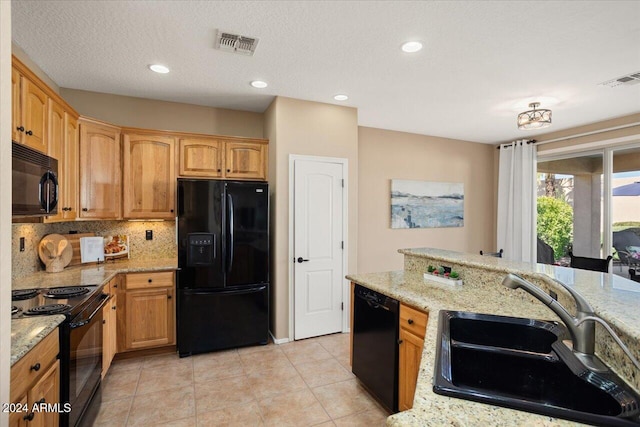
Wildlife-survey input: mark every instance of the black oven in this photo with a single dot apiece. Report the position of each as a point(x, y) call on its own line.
point(81, 346)
point(34, 182)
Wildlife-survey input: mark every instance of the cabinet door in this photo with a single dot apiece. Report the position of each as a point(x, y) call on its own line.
point(408, 367)
point(47, 391)
point(34, 113)
point(71, 163)
point(149, 176)
point(20, 419)
point(245, 160)
point(100, 172)
point(149, 318)
point(17, 128)
point(55, 149)
point(200, 157)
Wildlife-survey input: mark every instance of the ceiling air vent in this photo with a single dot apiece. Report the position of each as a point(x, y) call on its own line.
point(627, 80)
point(236, 43)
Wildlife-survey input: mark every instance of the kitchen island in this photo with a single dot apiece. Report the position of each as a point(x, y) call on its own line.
point(615, 299)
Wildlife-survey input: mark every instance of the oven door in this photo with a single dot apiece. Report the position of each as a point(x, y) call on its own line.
point(85, 364)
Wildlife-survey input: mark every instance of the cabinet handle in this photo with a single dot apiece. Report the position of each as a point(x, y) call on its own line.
point(36, 367)
point(169, 297)
point(115, 285)
point(410, 321)
point(104, 322)
point(84, 209)
point(41, 401)
point(29, 133)
point(29, 416)
point(399, 342)
point(113, 308)
point(20, 128)
point(219, 170)
point(228, 170)
point(150, 280)
point(171, 210)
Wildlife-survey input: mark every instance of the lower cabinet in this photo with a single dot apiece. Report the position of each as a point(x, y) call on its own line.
point(413, 325)
point(35, 380)
point(146, 314)
point(109, 315)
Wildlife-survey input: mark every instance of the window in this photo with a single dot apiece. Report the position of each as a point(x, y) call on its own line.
point(589, 202)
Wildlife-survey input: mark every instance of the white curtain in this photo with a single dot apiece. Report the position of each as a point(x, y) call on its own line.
point(516, 201)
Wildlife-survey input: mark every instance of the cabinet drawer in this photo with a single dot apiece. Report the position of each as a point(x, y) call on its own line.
point(163, 279)
point(413, 320)
point(33, 364)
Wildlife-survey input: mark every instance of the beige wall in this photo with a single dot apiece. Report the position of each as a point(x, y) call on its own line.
point(26, 60)
point(163, 115)
point(312, 129)
point(630, 128)
point(385, 155)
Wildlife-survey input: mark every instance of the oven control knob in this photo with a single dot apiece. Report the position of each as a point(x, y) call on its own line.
point(36, 367)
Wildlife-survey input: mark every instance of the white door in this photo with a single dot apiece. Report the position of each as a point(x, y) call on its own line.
point(318, 246)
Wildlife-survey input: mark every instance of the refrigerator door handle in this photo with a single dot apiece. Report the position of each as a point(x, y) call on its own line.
point(230, 235)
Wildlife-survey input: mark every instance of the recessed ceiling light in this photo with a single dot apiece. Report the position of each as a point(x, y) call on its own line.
point(411, 47)
point(341, 97)
point(259, 84)
point(159, 68)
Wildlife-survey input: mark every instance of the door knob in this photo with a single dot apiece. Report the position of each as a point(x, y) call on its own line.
point(300, 259)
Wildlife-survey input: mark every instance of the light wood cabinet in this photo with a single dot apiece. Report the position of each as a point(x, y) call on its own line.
point(243, 159)
point(200, 157)
point(149, 176)
point(412, 330)
point(148, 317)
point(35, 379)
point(100, 171)
point(30, 112)
point(63, 146)
point(109, 314)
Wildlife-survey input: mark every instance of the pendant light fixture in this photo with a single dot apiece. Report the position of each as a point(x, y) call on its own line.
point(534, 119)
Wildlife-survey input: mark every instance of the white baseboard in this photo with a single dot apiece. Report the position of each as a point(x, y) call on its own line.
point(279, 341)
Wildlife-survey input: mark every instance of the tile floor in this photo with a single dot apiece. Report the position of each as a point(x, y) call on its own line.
point(302, 383)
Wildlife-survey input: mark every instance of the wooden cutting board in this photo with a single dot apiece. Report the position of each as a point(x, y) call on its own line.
point(74, 239)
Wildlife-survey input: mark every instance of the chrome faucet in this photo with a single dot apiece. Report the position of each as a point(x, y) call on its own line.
point(581, 329)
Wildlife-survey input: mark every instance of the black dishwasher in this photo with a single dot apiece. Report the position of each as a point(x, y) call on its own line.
point(375, 344)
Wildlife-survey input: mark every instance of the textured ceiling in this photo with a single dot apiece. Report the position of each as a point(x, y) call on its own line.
point(483, 62)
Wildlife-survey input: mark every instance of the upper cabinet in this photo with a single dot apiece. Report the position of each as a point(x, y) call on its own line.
point(30, 111)
point(63, 146)
point(149, 178)
point(100, 171)
point(245, 160)
point(223, 158)
point(201, 157)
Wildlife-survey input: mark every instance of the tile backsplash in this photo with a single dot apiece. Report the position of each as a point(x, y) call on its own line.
point(163, 244)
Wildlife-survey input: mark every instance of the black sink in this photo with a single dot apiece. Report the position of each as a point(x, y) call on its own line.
point(523, 364)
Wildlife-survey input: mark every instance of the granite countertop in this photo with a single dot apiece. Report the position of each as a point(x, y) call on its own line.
point(92, 274)
point(614, 298)
point(27, 332)
point(430, 409)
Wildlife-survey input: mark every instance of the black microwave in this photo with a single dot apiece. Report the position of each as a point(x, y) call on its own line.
point(34, 182)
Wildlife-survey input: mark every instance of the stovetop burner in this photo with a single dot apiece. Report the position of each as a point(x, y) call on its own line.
point(22, 294)
point(14, 309)
point(66, 292)
point(47, 309)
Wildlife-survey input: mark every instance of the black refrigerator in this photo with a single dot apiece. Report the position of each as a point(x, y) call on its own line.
point(223, 265)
